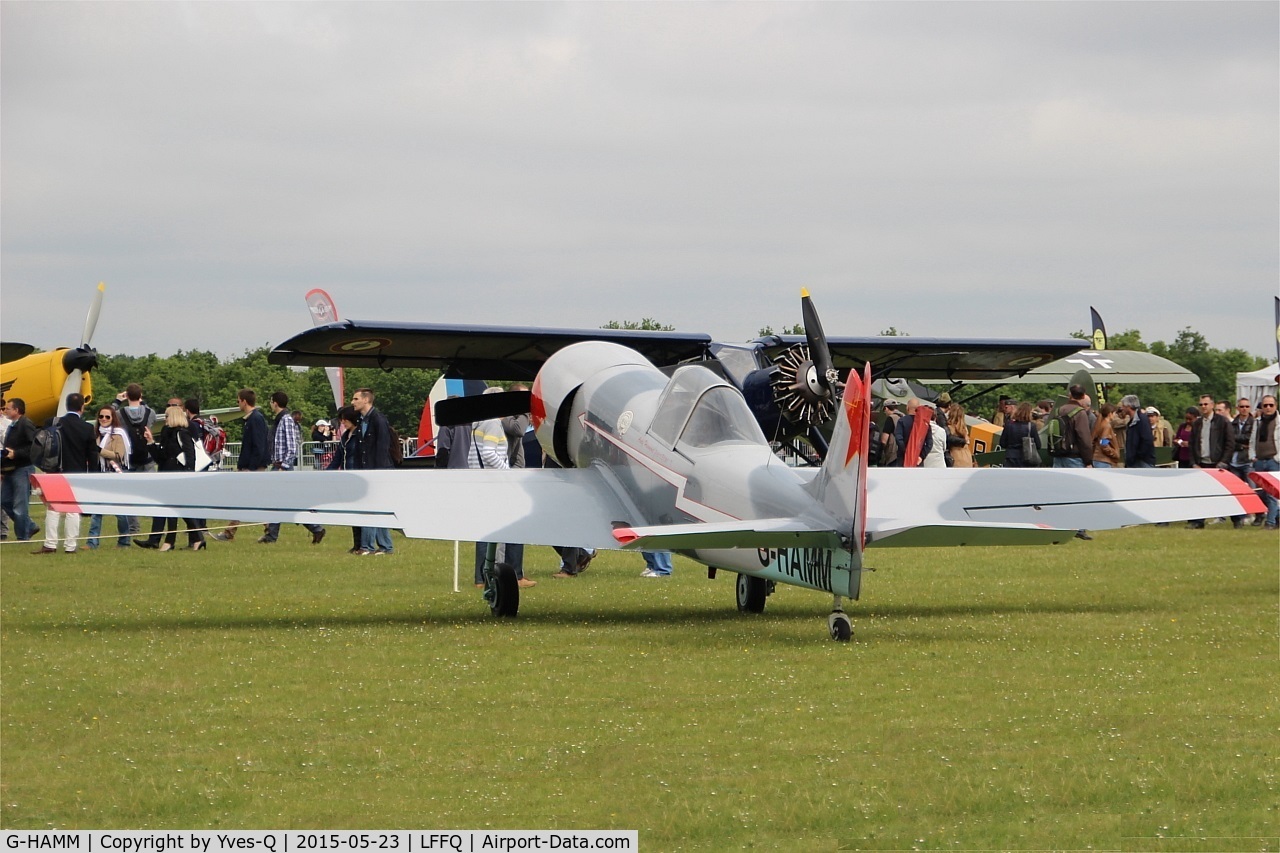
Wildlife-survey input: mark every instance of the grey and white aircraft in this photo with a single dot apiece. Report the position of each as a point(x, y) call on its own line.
point(676, 460)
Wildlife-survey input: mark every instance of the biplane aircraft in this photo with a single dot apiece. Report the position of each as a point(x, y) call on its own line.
point(44, 379)
point(676, 459)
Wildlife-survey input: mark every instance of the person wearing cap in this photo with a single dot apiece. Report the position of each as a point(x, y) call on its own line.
point(1161, 430)
point(321, 447)
point(1139, 444)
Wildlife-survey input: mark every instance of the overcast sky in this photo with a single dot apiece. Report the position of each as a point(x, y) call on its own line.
point(961, 169)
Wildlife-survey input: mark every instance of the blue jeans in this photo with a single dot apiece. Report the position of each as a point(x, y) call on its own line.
point(657, 561)
point(273, 530)
point(1243, 472)
point(1272, 505)
point(376, 539)
point(95, 530)
point(15, 499)
point(1068, 462)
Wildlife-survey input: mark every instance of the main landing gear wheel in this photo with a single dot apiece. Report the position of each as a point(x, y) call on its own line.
point(752, 592)
point(840, 627)
point(503, 592)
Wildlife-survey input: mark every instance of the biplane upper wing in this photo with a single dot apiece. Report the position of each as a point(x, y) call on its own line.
point(954, 506)
point(534, 506)
point(954, 359)
point(517, 352)
point(477, 352)
point(1107, 367)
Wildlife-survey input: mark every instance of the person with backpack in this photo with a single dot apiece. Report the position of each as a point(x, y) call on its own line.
point(255, 451)
point(16, 469)
point(1072, 444)
point(136, 417)
point(78, 447)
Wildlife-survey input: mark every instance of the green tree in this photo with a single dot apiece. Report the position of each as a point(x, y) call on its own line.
point(793, 329)
point(648, 324)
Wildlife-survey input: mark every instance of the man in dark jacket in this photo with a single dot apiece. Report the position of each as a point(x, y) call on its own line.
point(255, 447)
point(1139, 443)
point(1209, 445)
point(16, 469)
point(375, 444)
point(79, 443)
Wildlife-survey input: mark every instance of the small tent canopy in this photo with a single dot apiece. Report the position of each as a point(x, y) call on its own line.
point(1258, 383)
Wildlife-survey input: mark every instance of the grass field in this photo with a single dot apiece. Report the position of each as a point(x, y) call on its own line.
point(1117, 694)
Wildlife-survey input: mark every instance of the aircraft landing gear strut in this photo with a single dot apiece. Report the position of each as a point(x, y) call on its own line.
point(838, 623)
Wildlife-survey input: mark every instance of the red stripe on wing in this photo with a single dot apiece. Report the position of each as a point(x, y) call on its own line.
point(56, 492)
point(1249, 500)
point(1268, 481)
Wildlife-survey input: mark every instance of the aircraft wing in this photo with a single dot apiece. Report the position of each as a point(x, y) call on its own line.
point(948, 506)
point(533, 506)
point(1106, 367)
point(953, 359)
point(478, 352)
point(11, 351)
point(516, 352)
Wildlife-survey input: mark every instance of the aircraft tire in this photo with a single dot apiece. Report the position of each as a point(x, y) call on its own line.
point(840, 627)
point(752, 592)
point(506, 593)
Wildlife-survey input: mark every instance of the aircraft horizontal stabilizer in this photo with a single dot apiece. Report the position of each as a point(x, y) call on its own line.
point(759, 533)
point(1052, 498)
point(960, 533)
point(1268, 481)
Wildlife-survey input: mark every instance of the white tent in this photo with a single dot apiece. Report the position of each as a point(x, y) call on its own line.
point(1259, 382)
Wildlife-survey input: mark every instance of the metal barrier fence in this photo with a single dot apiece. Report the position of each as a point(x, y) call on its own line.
point(314, 455)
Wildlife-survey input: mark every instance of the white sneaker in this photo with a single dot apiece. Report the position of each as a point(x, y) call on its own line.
point(650, 573)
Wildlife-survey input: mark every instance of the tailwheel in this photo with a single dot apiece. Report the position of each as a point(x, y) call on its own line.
point(503, 593)
point(752, 592)
point(840, 627)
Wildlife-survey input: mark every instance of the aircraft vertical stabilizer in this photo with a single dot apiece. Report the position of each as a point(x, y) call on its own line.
point(841, 485)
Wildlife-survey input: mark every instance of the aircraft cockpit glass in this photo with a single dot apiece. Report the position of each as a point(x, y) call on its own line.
point(721, 416)
point(700, 410)
point(682, 391)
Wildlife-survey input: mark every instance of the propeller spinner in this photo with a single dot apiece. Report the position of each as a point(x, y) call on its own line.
point(805, 381)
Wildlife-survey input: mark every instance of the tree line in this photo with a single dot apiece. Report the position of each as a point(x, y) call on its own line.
point(401, 393)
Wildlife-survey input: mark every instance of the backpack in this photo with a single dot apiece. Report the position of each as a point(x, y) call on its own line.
point(46, 449)
point(1062, 437)
point(215, 437)
point(396, 446)
point(138, 455)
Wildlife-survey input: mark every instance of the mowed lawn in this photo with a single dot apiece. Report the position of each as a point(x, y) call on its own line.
point(1114, 694)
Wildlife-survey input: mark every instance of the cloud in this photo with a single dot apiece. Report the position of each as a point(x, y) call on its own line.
point(925, 166)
